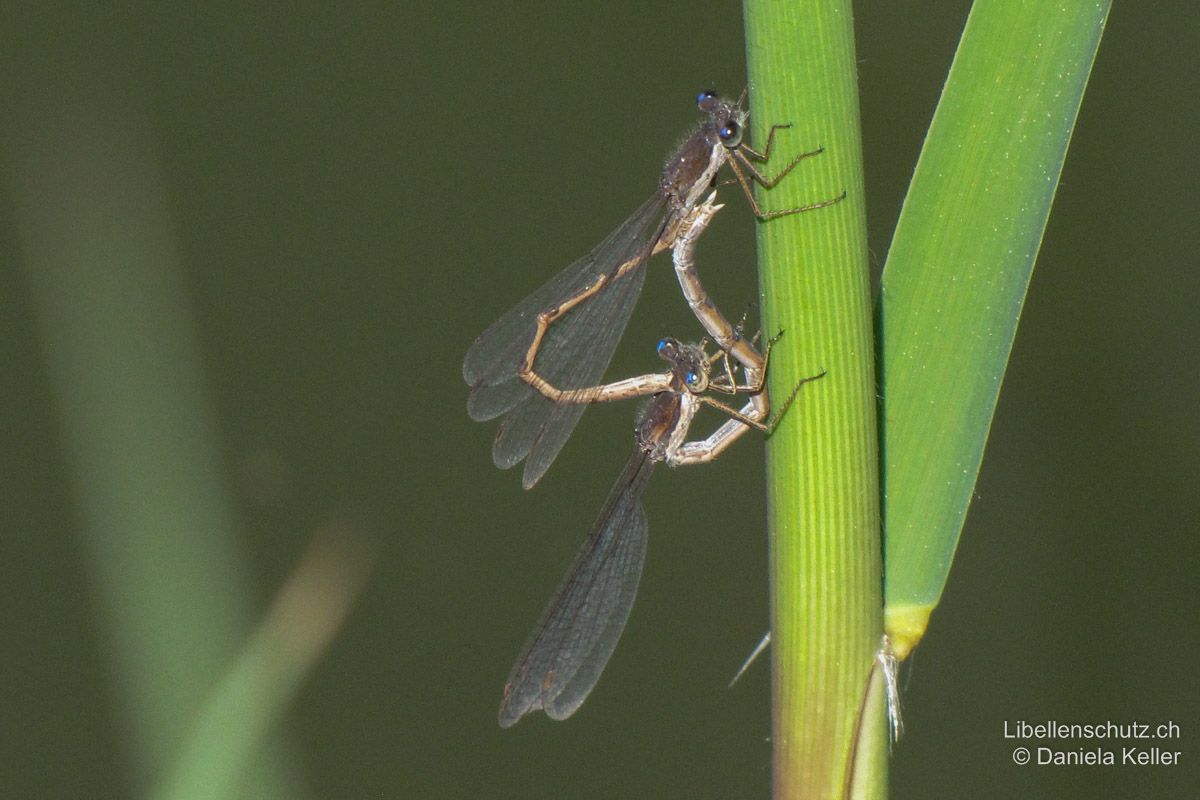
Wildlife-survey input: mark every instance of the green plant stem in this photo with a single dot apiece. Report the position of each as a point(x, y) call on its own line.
point(822, 462)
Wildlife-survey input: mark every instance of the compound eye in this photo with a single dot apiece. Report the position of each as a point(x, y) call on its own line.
point(706, 99)
point(730, 134)
point(692, 379)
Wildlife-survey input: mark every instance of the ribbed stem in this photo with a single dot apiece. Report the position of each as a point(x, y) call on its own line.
point(822, 462)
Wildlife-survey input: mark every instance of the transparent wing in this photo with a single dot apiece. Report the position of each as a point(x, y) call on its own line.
point(575, 352)
point(580, 626)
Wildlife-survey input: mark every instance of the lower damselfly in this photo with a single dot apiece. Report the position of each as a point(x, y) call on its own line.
point(569, 647)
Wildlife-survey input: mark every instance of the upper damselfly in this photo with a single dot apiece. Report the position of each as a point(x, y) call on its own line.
point(566, 331)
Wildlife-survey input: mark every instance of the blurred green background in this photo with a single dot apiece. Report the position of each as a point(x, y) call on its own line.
point(307, 214)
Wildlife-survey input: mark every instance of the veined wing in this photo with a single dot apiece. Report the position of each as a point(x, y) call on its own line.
point(580, 626)
point(575, 351)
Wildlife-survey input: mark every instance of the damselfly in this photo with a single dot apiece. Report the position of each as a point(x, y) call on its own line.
point(564, 656)
point(590, 302)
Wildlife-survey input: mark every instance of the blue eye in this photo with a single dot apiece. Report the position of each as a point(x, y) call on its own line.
point(705, 98)
point(691, 378)
point(729, 131)
point(662, 343)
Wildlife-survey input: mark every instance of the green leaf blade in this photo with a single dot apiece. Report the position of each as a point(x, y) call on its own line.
point(957, 272)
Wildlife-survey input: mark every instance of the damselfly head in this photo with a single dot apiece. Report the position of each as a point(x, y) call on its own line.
point(728, 119)
point(689, 364)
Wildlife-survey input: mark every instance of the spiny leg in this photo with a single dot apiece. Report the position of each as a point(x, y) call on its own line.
point(749, 192)
point(766, 153)
point(778, 415)
point(745, 154)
